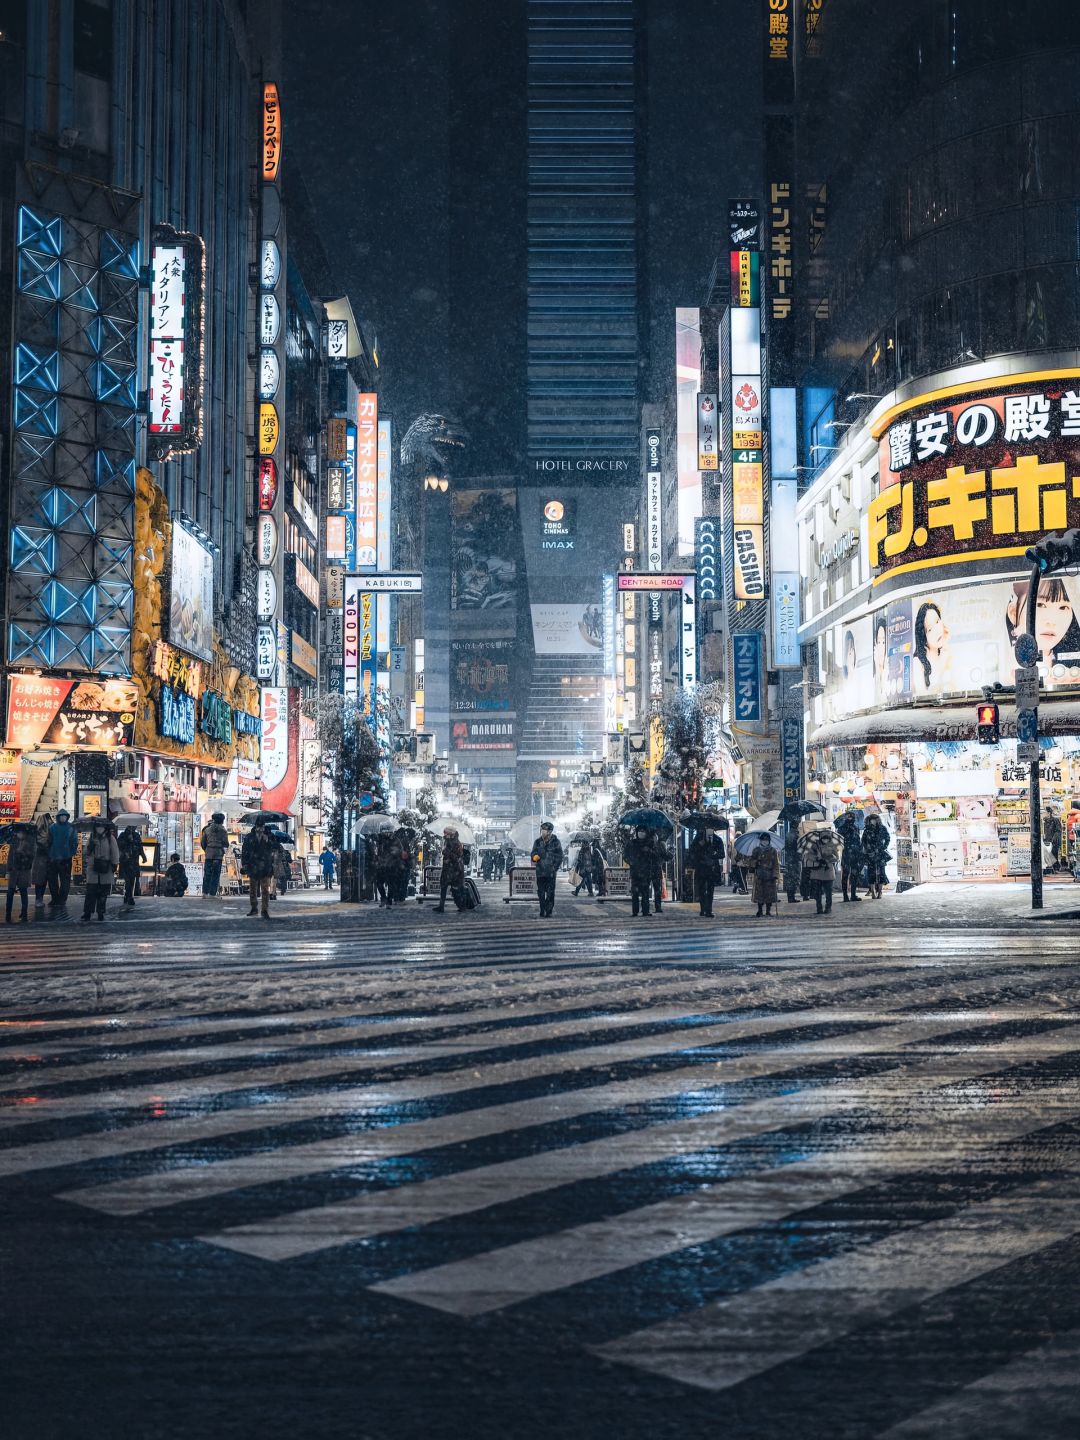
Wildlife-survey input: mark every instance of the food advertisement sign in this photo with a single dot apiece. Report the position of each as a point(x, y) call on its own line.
point(10, 773)
point(174, 390)
point(70, 714)
point(978, 476)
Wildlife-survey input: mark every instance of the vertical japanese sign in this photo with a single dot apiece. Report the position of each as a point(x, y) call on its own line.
point(778, 65)
point(609, 653)
point(367, 544)
point(269, 493)
point(688, 634)
point(747, 519)
point(791, 754)
point(746, 673)
point(708, 432)
point(174, 387)
point(383, 545)
point(785, 613)
point(654, 498)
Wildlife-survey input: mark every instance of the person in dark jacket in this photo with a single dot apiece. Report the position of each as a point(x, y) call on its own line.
point(585, 865)
point(639, 854)
point(132, 855)
point(101, 856)
point(406, 860)
point(875, 847)
point(176, 879)
point(792, 865)
point(764, 861)
point(660, 856)
point(599, 869)
point(40, 873)
point(819, 848)
point(547, 854)
point(22, 845)
point(706, 858)
point(63, 843)
point(257, 857)
point(214, 841)
point(452, 874)
point(851, 860)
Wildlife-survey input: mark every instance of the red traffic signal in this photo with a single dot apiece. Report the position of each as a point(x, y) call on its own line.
point(987, 721)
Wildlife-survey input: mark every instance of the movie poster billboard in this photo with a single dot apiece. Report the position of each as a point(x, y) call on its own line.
point(482, 675)
point(485, 548)
point(191, 595)
point(568, 629)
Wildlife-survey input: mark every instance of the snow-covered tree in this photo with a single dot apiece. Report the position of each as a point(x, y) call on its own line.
point(350, 759)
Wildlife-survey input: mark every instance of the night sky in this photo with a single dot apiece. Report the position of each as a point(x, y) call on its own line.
point(408, 125)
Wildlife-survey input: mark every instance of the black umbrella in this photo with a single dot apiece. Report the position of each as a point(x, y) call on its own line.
point(702, 821)
point(800, 810)
point(648, 819)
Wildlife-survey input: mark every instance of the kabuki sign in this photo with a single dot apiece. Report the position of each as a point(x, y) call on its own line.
point(174, 393)
point(967, 476)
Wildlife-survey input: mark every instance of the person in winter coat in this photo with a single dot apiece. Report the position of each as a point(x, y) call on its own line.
point(406, 859)
point(40, 873)
point(257, 861)
point(22, 845)
point(660, 856)
point(328, 863)
point(585, 865)
point(765, 864)
point(63, 843)
point(819, 847)
point(282, 865)
point(792, 865)
point(875, 847)
point(599, 869)
point(101, 856)
point(176, 881)
point(706, 857)
point(851, 861)
point(547, 855)
point(214, 841)
point(639, 854)
point(132, 855)
point(452, 874)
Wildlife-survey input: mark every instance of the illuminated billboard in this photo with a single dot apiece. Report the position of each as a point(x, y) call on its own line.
point(191, 594)
point(175, 380)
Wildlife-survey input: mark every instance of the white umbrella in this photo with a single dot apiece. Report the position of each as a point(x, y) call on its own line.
point(375, 824)
point(524, 831)
point(767, 821)
point(131, 818)
point(464, 832)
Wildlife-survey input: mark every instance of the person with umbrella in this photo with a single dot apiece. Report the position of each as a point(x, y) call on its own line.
point(22, 846)
point(706, 856)
point(875, 846)
point(406, 859)
point(452, 874)
point(638, 852)
point(257, 861)
point(819, 849)
point(101, 856)
point(546, 854)
point(851, 861)
point(765, 863)
point(214, 841)
point(132, 855)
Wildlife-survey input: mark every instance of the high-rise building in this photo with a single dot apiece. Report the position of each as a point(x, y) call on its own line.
point(936, 316)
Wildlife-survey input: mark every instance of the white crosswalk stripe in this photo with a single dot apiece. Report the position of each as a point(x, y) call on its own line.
point(482, 1057)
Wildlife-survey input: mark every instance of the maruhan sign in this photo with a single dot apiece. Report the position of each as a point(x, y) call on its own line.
point(581, 465)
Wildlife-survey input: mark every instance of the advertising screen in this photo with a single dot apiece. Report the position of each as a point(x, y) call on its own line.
point(482, 674)
point(484, 572)
point(568, 629)
point(191, 595)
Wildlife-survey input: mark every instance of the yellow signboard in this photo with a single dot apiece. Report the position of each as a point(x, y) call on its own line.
point(269, 428)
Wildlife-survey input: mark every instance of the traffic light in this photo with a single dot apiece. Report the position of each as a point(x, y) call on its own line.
point(1054, 552)
point(988, 730)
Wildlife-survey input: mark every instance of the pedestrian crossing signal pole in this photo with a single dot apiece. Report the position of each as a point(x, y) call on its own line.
point(1053, 552)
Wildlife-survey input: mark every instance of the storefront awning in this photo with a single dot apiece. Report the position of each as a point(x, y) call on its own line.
point(939, 722)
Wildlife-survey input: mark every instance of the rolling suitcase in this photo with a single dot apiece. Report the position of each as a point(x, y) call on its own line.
point(472, 895)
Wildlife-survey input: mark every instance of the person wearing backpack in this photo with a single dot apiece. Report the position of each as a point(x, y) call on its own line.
point(214, 841)
point(132, 855)
point(257, 862)
point(101, 856)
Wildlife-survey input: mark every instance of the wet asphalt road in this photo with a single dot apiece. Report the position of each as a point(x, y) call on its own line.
point(366, 1174)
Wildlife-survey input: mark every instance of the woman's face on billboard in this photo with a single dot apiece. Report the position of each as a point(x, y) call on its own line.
point(1052, 621)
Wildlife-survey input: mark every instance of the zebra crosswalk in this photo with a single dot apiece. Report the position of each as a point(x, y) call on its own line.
point(708, 1168)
